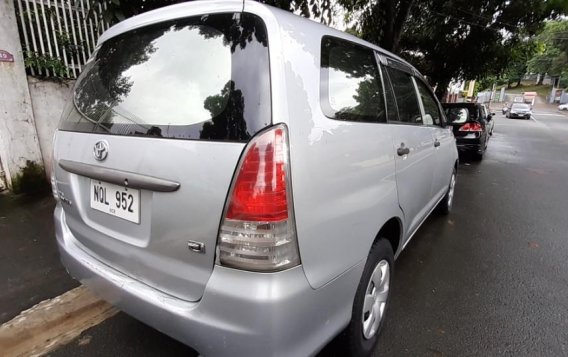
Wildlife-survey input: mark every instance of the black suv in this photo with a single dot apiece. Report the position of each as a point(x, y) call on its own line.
point(472, 125)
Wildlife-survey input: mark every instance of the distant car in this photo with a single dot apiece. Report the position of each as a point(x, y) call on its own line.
point(472, 126)
point(563, 106)
point(519, 110)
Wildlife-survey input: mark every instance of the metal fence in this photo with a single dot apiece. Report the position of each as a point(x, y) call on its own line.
point(58, 36)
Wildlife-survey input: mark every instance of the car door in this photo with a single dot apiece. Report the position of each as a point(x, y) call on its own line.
point(444, 141)
point(413, 144)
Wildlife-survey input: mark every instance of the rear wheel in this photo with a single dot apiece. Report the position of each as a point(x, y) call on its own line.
point(445, 205)
point(478, 155)
point(371, 300)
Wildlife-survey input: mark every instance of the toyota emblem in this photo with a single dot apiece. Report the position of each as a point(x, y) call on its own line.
point(101, 150)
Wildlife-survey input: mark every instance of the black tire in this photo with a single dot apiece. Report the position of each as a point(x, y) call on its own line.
point(445, 206)
point(355, 341)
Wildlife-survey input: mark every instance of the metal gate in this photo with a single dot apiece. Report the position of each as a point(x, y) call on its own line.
point(58, 36)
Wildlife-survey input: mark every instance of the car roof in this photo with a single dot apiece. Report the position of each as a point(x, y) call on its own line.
point(193, 8)
point(461, 105)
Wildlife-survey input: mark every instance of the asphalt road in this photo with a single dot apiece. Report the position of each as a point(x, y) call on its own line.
point(29, 261)
point(490, 279)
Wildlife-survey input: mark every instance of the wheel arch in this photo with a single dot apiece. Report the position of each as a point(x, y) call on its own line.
point(392, 232)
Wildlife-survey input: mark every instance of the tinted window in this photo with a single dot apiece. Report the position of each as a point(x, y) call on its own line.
point(520, 107)
point(431, 110)
point(405, 94)
point(350, 82)
point(191, 78)
point(392, 113)
point(483, 112)
point(457, 115)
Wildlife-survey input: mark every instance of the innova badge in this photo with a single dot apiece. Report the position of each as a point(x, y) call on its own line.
point(101, 150)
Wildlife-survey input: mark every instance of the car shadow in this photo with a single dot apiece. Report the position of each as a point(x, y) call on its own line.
point(466, 158)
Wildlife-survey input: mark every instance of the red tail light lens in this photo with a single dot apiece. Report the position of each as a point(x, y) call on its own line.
point(258, 231)
point(475, 127)
point(259, 193)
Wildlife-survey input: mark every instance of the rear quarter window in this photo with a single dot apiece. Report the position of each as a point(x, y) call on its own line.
point(351, 86)
point(204, 77)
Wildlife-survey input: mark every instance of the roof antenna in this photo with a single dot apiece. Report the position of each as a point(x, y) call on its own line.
point(243, 10)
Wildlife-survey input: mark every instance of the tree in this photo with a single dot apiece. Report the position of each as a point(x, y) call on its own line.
point(552, 50)
point(380, 21)
point(517, 64)
point(470, 39)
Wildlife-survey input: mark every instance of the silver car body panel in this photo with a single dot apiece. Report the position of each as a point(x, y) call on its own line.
point(154, 251)
point(347, 181)
point(343, 173)
point(241, 313)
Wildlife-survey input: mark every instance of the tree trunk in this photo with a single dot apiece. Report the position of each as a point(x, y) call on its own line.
point(403, 11)
point(540, 79)
point(442, 88)
point(519, 81)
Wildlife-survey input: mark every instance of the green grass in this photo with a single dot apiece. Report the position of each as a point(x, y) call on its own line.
point(543, 90)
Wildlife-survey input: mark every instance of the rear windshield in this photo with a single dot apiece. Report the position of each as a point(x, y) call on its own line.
point(203, 77)
point(460, 114)
point(520, 106)
point(457, 115)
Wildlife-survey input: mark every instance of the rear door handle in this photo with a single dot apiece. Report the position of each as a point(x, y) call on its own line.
point(436, 143)
point(402, 150)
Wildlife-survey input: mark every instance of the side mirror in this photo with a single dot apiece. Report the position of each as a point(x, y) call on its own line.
point(489, 117)
point(492, 114)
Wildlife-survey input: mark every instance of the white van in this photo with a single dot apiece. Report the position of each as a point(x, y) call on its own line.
point(242, 179)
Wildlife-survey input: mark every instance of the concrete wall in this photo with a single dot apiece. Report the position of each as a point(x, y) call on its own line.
point(18, 139)
point(49, 98)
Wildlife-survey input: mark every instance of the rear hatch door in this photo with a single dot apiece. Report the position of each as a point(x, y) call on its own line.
point(150, 141)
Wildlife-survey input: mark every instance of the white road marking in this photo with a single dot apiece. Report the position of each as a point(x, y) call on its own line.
point(53, 323)
point(550, 114)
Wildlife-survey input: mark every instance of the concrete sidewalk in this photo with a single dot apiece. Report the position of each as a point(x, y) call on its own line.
point(30, 270)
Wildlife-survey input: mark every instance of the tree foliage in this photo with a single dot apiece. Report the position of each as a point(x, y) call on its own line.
point(470, 39)
point(380, 21)
point(552, 49)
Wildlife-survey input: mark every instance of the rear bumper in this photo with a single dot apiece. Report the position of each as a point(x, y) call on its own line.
point(522, 116)
point(240, 314)
point(469, 145)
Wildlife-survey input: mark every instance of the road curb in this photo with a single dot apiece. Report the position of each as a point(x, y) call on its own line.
point(53, 323)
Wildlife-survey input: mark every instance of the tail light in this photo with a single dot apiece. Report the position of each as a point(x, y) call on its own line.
point(258, 230)
point(471, 127)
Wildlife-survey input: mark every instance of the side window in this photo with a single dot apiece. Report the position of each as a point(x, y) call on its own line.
point(431, 109)
point(350, 82)
point(483, 112)
point(392, 113)
point(405, 95)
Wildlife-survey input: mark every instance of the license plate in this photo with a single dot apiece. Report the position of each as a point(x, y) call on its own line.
point(118, 201)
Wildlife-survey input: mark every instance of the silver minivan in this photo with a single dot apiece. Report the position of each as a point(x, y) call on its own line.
point(242, 179)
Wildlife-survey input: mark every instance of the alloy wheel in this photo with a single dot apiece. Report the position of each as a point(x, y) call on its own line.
point(376, 297)
point(451, 190)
